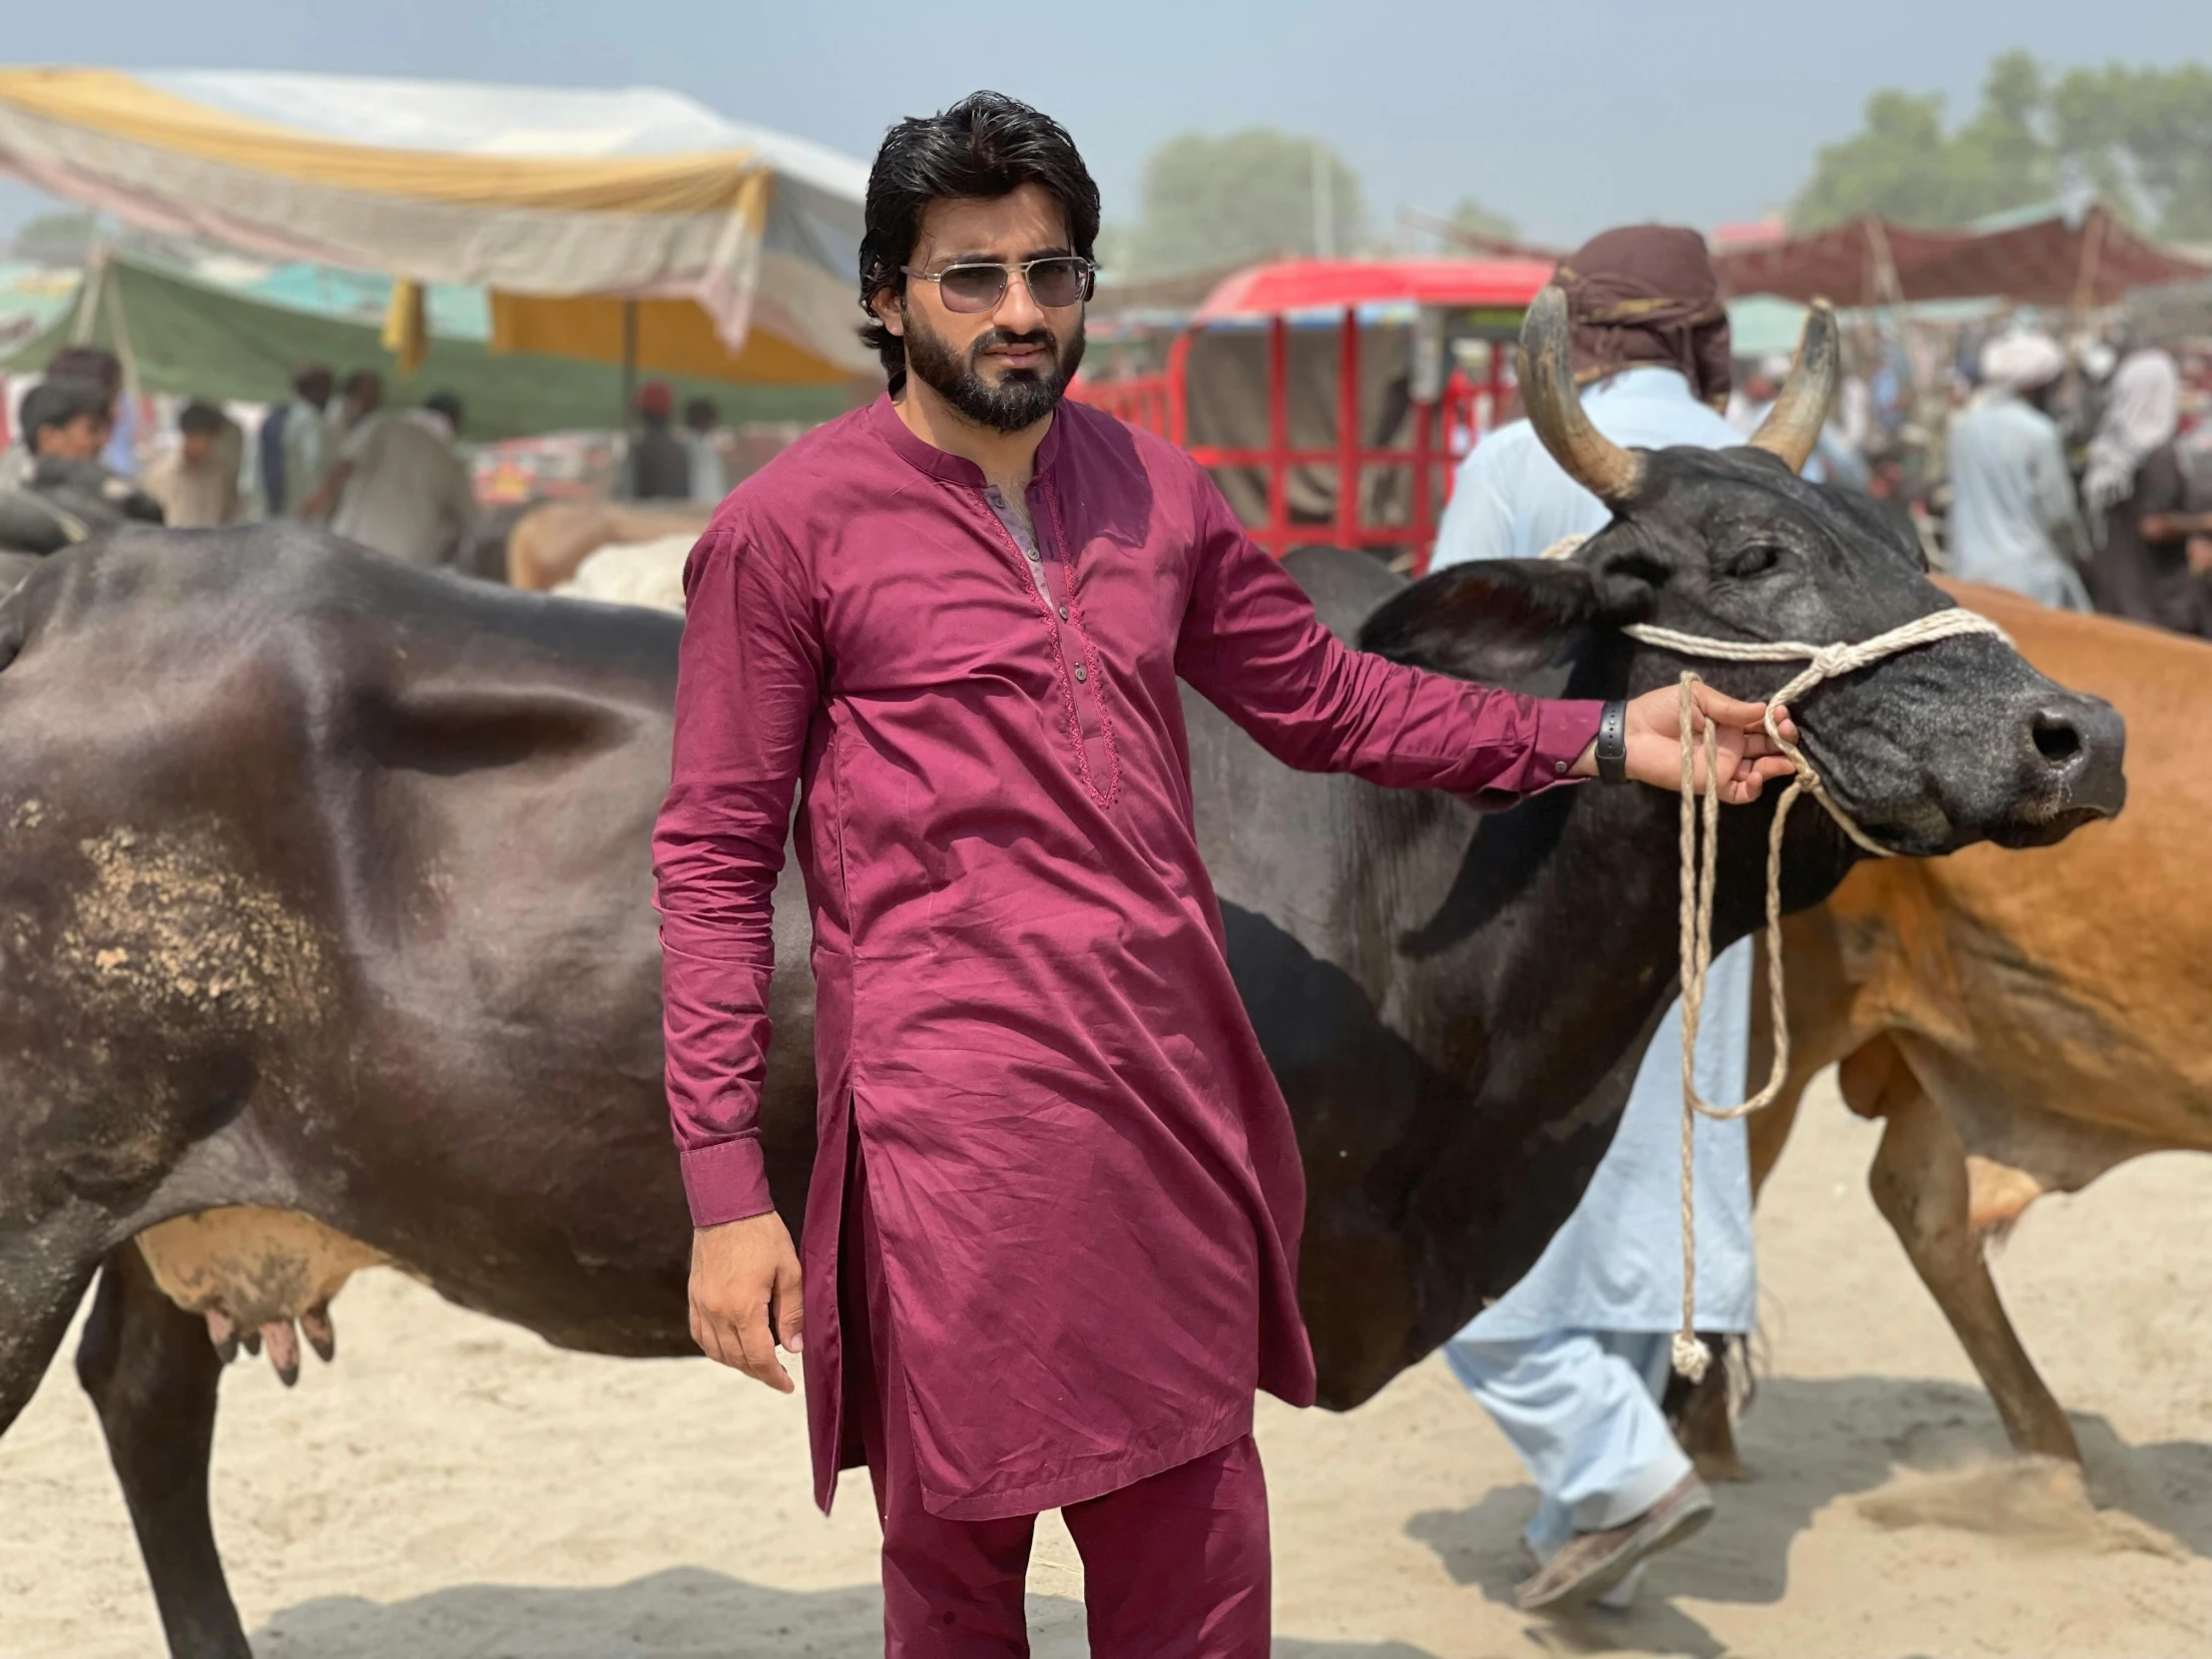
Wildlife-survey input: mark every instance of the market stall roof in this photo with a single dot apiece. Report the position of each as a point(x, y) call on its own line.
point(2087, 259)
point(563, 204)
point(189, 334)
point(1332, 284)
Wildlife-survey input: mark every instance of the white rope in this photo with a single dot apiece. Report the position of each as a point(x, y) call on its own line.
point(1823, 662)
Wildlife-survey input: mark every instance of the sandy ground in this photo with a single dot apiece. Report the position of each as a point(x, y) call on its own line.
point(453, 1487)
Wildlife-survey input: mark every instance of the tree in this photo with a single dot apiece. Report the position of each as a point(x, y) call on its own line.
point(2002, 156)
point(2141, 138)
point(1902, 164)
point(1112, 247)
point(1214, 201)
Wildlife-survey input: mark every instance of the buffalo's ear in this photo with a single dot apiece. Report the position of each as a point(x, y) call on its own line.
point(1491, 619)
point(1626, 573)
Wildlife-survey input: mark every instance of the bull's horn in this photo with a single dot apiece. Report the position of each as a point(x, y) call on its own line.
point(1800, 408)
point(1613, 474)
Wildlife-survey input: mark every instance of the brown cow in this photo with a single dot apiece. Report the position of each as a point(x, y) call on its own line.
point(2022, 1022)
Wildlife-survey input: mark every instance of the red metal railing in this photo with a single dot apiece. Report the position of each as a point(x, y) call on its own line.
point(1442, 432)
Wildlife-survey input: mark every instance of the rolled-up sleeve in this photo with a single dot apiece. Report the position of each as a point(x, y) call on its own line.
point(1252, 645)
point(747, 684)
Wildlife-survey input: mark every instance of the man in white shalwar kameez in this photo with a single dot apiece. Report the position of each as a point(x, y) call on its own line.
point(2014, 522)
point(1572, 1363)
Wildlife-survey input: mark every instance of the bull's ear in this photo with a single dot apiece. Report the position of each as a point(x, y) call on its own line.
point(1491, 619)
point(1625, 579)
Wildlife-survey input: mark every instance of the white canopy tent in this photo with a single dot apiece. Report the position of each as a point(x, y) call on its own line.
point(606, 224)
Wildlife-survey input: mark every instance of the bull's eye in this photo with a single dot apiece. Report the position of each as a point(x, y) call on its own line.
point(1754, 560)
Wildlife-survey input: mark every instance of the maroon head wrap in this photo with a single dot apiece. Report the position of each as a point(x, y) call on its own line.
point(1646, 293)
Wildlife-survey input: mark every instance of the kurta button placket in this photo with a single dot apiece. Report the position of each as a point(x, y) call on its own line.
point(1052, 578)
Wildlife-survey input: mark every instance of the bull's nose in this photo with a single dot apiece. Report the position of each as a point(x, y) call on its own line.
point(2081, 750)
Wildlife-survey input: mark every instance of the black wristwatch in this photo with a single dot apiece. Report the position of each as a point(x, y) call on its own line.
point(1612, 742)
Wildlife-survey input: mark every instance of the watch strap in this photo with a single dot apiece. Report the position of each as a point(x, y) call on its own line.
point(1612, 742)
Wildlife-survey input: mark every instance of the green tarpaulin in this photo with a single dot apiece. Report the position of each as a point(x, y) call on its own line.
point(194, 339)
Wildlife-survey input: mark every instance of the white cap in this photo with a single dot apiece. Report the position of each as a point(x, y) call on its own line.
point(2022, 361)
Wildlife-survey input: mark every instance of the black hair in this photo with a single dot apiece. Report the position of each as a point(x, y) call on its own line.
point(699, 414)
point(88, 362)
point(60, 400)
point(985, 145)
point(310, 376)
point(362, 376)
point(200, 417)
point(447, 405)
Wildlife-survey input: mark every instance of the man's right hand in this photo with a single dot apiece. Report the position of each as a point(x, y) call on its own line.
point(745, 1296)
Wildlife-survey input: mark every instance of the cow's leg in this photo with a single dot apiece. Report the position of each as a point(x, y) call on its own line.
point(43, 1274)
point(152, 1373)
point(1919, 1184)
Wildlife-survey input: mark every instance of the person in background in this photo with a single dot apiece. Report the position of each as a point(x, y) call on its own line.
point(292, 447)
point(1889, 384)
point(102, 366)
point(346, 426)
point(360, 400)
point(1753, 394)
point(401, 486)
point(702, 422)
point(1855, 408)
point(1572, 1363)
point(196, 482)
point(657, 468)
point(2134, 473)
point(2190, 531)
point(70, 493)
point(2014, 519)
point(1835, 460)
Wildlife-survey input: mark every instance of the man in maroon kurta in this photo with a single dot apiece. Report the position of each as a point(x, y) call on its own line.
point(1051, 1240)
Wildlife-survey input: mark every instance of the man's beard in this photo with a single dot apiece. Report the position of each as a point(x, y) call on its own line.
point(1022, 399)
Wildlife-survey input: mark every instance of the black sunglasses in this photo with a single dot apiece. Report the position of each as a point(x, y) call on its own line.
point(1056, 280)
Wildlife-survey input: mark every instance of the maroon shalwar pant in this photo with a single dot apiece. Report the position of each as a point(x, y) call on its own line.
point(1173, 1567)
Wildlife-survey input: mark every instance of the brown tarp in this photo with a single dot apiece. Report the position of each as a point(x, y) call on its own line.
point(1870, 262)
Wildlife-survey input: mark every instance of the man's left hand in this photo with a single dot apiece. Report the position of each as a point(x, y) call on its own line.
point(1748, 757)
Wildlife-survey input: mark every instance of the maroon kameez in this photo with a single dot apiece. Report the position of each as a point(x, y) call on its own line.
point(1083, 1175)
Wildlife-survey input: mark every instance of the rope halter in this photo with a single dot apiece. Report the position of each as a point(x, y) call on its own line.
point(1699, 854)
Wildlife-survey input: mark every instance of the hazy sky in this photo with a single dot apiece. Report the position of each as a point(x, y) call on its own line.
point(1569, 115)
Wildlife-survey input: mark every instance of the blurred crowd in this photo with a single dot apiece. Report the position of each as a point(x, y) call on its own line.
point(2072, 475)
point(2066, 471)
point(390, 478)
point(333, 453)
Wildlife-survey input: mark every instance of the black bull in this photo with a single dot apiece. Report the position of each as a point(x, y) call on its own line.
point(327, 891)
